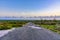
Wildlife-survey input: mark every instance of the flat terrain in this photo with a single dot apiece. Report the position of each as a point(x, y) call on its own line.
point(4, 32)
point(31, 32)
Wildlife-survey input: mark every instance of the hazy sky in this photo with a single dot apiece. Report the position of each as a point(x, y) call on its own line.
point(29, 7)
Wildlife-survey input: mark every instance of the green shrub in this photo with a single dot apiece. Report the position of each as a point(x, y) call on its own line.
point(5, 27)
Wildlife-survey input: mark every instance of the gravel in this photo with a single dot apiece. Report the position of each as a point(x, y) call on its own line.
point(4, 32)
point(30, 33)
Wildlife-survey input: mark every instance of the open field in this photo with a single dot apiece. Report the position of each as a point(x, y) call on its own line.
point(53, 25)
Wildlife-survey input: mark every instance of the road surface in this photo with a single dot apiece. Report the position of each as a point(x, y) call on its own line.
point(4, 32)
point(31, 32)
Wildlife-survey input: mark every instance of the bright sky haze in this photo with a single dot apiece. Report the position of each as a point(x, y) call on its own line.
point(29, 7)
